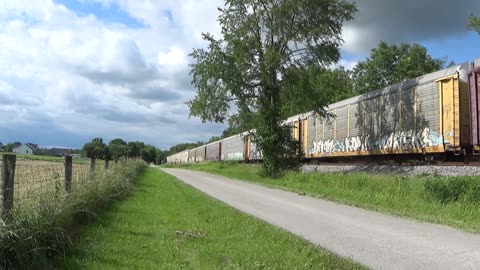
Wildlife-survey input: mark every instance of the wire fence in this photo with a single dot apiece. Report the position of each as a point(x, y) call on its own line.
point(36, 181)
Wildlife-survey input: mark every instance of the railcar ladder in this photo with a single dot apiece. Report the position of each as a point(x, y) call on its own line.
point(456, 118)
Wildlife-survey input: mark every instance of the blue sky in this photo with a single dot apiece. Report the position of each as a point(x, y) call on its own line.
point(110, 13)
point(72, 70)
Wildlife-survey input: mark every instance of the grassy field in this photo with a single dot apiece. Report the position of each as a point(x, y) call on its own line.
point(166, 224)
point(436, 199)
point(51, 159)
point(38, 229)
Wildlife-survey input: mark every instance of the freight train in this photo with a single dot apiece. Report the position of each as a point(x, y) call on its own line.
point(437, 114)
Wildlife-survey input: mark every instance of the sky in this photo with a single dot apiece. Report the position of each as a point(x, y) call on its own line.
point(72, 70)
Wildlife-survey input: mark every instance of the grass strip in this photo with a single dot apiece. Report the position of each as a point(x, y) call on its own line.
point(37, 232)
point(166, 224)
point(452, 201)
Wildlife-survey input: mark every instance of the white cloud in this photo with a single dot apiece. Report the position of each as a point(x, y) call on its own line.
point(67, 78)
point(85, 77)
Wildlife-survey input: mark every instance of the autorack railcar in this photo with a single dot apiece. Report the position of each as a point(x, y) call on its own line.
point(232, 148)
point(438, 113)
point(426, 115)
point(214, 151)
point(200, 153)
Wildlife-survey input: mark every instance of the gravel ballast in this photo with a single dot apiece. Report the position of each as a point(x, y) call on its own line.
point(392, 169)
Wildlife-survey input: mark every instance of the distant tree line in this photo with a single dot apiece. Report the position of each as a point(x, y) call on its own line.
point(118, 149)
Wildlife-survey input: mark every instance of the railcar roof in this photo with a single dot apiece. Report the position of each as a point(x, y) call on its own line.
point(428, 78)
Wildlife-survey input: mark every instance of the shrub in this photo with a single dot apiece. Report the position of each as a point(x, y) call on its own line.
point(35, 233)
point(447, 190)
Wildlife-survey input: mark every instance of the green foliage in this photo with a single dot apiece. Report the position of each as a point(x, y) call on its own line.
point(9, 146)
point(320, 86)
point(262, 42)
point(117, 148)
point(447, 190)
point(474, 23)
point(96, 149)
point(183, 146)
point(148, 153)
point(388, 65)
point(36, 233)
point(166, 224)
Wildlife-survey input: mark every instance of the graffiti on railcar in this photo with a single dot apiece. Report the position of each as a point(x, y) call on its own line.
point(394, 141)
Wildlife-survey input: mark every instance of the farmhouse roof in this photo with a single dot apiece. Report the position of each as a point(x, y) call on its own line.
point(32, 146)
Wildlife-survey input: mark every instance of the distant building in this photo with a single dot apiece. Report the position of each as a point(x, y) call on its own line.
point(75, 155)
point(59, 152)
point(26, 149)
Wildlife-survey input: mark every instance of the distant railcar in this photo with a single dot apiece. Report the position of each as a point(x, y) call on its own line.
point(232, 148)
point(214, 151)
point(200, 153)
point(191, 156)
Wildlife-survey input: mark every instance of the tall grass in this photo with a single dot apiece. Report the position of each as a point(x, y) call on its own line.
point(33, 234)
point(453, 201)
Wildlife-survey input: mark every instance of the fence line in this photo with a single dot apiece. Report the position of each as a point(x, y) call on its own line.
point(30, 182)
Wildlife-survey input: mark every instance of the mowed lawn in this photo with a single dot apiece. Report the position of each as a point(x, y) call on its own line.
point(166, 224)
point(398, 195)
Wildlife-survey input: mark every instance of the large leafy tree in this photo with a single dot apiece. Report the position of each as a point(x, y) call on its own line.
point(388, 65)
point(318, 84)
point(96, 149)
point(117, 148)
point(474, 24)
point(262, 40)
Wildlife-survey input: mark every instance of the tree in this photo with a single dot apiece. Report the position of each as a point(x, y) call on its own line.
point(261, 41)
point(161, 156)
point(388, 65)
point(133, 149)
point(474, 24)
point(117, 148)
point(148, 153)
point(96, 149)
point(319, 84)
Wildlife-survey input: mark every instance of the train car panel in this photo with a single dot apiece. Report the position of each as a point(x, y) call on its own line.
point(474, 85)
point(191, 156)
point(183, 156)
point(213, 151)
point(200, 153)
point(353, 118)
point(341, 123)
point(232, 148)
point(407, 109)
point(312, 132)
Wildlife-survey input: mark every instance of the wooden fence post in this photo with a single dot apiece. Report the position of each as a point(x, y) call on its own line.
point(8, 178)
point(106, 164)
point(68, 173)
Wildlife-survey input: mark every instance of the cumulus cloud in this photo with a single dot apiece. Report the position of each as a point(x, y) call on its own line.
point(396, 21)
point(68, 76)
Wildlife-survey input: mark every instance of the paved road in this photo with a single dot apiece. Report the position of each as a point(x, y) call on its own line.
point(373, 239)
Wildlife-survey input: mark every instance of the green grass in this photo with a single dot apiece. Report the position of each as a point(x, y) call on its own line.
point(166, 224)
point(403, 196)
point(37, 231)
